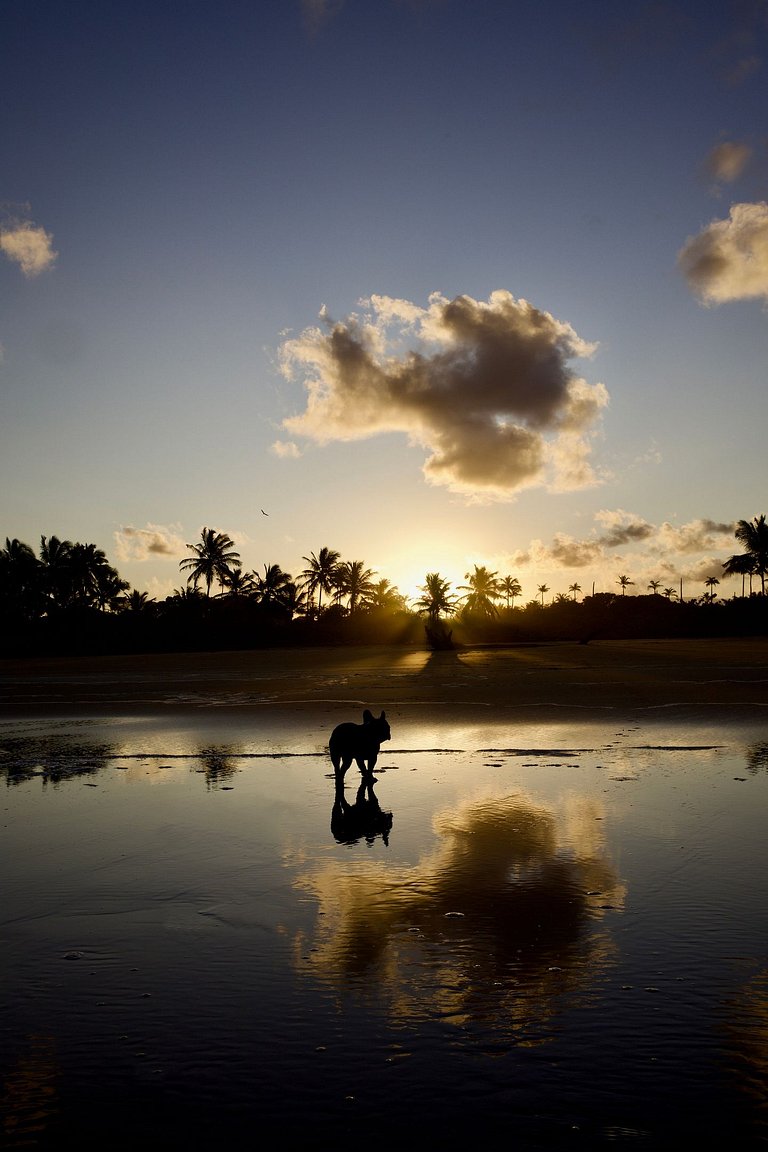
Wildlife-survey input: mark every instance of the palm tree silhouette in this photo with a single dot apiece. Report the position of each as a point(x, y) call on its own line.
point(625, 582)
point(653, 586)
point(238, 583)
point(214, 558)
point(436, 599)
point(483, 588)
point(382, 594)
point(275, 588)
point(574, 589)
point(753, 537)
point(354, 581)
point(670, 593)
point(541, 589)
point(711, 582)
point(55, 558)
point(740, 566)
point(320, 574)
point(510, 587)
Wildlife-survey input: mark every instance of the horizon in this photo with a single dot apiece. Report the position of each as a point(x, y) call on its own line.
point(433, 285)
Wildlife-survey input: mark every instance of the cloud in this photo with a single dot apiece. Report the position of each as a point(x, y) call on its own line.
point(484, 387)
point(28, 245)
point(728, 260)
point(619, 529)
point(316, 13)
point(286, 449)
point(139, 544)
point(696, 536)
point(727, 161)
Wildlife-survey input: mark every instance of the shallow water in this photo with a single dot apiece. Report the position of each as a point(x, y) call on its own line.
point(556, 933)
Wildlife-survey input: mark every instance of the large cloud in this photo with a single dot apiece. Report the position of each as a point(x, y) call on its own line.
point(484, 387)
point(728, 260)
point(28, 245)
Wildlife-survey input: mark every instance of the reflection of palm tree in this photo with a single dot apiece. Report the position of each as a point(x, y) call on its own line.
point(510, 587)
point(353, 581)
point(483, 588)
point(214, 558)
point(625, 582)
point(541, 589)
point(320, 574)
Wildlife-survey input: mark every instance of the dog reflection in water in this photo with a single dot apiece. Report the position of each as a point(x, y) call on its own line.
point(363, 819)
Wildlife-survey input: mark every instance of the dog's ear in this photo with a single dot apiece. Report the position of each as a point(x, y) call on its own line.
point(367, 717)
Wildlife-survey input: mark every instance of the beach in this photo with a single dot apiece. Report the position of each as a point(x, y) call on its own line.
point(546, 914)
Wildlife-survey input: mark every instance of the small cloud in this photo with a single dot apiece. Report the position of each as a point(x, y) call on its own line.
point(728, 260)
point(727, 161)
point(139, 544)
point(286, 450)
point(484, 387)
point(28, 245)
point(621, 528)
point(316, 13)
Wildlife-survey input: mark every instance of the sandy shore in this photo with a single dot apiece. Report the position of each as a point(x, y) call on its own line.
point(724, 677)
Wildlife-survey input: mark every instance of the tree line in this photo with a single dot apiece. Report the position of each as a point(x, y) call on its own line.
point(69, 597)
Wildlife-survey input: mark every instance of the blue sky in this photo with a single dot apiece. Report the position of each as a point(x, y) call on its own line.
point(209, 214)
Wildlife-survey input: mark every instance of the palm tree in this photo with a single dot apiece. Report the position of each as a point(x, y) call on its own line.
point(238, 583)
point(510, 587)
point(384, 595)
point(20, 578)
point(436, 599)
point(320, 574)
point(625, 582)
point(138, 603)
point(55, 558)
point(214, 558)
point(483, 588)
point(274, 589)
point(574, 589)
point(93, 580)
point(670, 593)
point(711, 582)
point(753, 537)
point(740, 566)
point(354, 581)
point(653, 586)
point(563, 598)
point(541, 589)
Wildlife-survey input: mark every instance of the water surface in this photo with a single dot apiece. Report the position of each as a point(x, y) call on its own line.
point(557, 932)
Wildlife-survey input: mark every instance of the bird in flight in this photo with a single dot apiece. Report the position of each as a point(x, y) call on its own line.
point(264, 513)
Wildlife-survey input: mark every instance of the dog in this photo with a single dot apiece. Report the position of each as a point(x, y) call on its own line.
point(358, 742)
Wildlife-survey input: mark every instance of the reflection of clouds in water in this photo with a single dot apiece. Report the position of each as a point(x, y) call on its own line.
point(495, 924)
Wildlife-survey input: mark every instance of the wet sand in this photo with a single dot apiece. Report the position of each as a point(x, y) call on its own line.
point(725, 679)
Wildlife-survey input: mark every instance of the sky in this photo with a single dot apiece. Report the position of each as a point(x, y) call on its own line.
point(432, 283)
